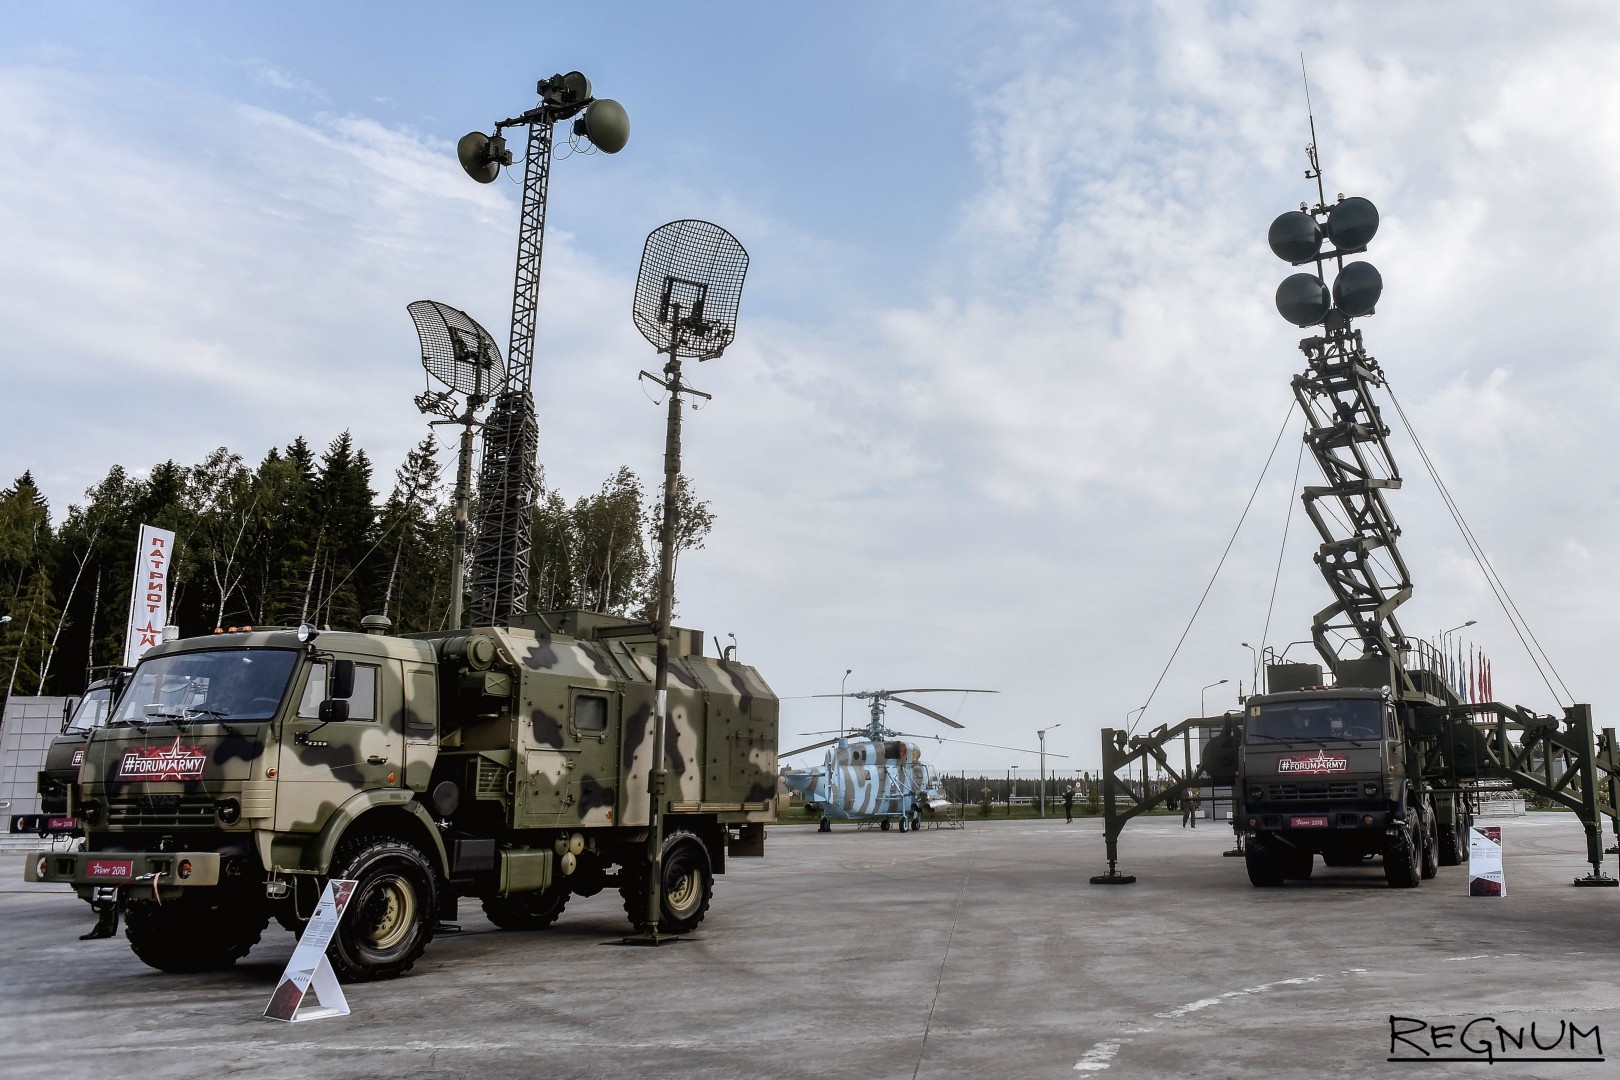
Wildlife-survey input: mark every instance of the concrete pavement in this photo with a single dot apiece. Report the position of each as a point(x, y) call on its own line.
point(866, 954)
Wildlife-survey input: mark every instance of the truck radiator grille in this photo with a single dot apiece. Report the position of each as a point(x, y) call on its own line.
point(490, 779)
point(1306, 792)
point(161, 810)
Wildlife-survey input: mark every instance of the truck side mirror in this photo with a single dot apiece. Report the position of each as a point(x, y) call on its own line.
point(341, 682)
point(334, 710)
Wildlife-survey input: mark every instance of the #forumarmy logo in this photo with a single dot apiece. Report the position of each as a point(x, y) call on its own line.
point(1319, 762)
point(163, 762)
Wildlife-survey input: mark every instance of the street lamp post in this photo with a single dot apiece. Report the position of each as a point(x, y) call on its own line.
point(841, 685)
point(1041, 734)
point(1254, 667)
point(1205, 690)
point(1445, 653)
point(1012, 782)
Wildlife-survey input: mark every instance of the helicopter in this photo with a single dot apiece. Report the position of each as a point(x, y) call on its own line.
point(871, 773)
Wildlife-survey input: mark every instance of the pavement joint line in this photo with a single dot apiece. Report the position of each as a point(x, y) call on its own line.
point(939, 978)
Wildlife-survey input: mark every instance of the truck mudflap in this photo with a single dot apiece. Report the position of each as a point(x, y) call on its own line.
point(47, 824)
point(165, 873)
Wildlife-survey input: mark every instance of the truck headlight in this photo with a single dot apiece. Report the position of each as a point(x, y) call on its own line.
point(229, 810)
point(91, 812)
point(1370, 790)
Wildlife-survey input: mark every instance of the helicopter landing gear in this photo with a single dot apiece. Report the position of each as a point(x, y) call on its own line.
point(884, 825)
point(905, 823)
point(826, 824)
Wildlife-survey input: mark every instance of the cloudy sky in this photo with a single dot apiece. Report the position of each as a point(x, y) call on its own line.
point(1008, 366)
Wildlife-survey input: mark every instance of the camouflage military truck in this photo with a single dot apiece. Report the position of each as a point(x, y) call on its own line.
point(240, 771)
point(63, 757)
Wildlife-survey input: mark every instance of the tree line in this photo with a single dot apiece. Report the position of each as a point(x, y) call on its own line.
point(299, 537)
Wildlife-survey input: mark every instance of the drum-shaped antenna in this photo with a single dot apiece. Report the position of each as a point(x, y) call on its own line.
point(689, 287)
point(1295, 237)
point(1357, 288)
point(456, 350)
point(1352, 224)
point(605, 124)
point(1302, 299)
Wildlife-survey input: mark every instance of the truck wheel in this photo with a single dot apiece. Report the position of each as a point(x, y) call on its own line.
point(207, 931)
point(1431, 847)
point(526, 910)
point(390, 917)
point(1402, 867)
point(1260, 858)
point(688, 885)
point(1454, 843)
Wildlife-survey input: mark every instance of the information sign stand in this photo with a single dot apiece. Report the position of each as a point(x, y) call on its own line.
point(309, 969)
point(1485, 861)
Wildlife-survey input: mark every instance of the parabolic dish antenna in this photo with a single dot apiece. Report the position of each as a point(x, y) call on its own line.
point(456, 350)
point(689, 287)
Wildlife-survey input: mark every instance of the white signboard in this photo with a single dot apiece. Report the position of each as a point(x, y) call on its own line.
point(309, 969)
point(1485, 861)
point(149, 599)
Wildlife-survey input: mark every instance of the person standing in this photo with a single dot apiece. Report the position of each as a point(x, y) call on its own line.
point(1189, 808)
point(1068, 804)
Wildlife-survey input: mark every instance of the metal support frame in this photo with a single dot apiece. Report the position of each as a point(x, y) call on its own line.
point(1122, 752)
point(1347, 436)
point(1481, 746)
point(506, 478)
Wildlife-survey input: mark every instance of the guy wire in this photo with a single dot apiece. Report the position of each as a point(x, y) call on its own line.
point(1228, 550)
point(1498, 589)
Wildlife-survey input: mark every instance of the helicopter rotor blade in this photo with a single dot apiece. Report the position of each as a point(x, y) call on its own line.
point(937, 690)
point(805, 749)
point(965, 742)
point(941, 717)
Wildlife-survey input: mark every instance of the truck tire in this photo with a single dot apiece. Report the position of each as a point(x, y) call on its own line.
point(1402, 861)
point(526, 910)
point(390, 917)
point(1431, 846)
point(688, 885)
point(206, 930)
point(1260, 859)
point(1454, 842)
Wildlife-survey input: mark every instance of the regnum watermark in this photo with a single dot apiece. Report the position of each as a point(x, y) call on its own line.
point(1544, 1040)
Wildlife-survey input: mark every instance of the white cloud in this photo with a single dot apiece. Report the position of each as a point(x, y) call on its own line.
point(1020, 481)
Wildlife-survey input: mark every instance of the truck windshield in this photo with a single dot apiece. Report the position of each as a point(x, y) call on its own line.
point(92, 710)
point(1315, 721)
point(220, 684)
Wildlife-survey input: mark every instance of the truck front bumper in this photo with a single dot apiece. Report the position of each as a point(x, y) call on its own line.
point(165, 874)
point(1280, 819)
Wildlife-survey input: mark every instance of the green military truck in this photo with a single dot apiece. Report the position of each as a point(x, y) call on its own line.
point(240, 771)
point(63, 757)
point(1340, 772)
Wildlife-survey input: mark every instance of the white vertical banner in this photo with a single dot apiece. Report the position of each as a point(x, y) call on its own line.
point(1485, 861)
point(149, 599)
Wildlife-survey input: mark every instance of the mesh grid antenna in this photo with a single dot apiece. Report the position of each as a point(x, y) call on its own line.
point(689, 288)
point(456, 350)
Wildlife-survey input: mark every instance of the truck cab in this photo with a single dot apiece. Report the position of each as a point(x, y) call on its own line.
point(1337, 771)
